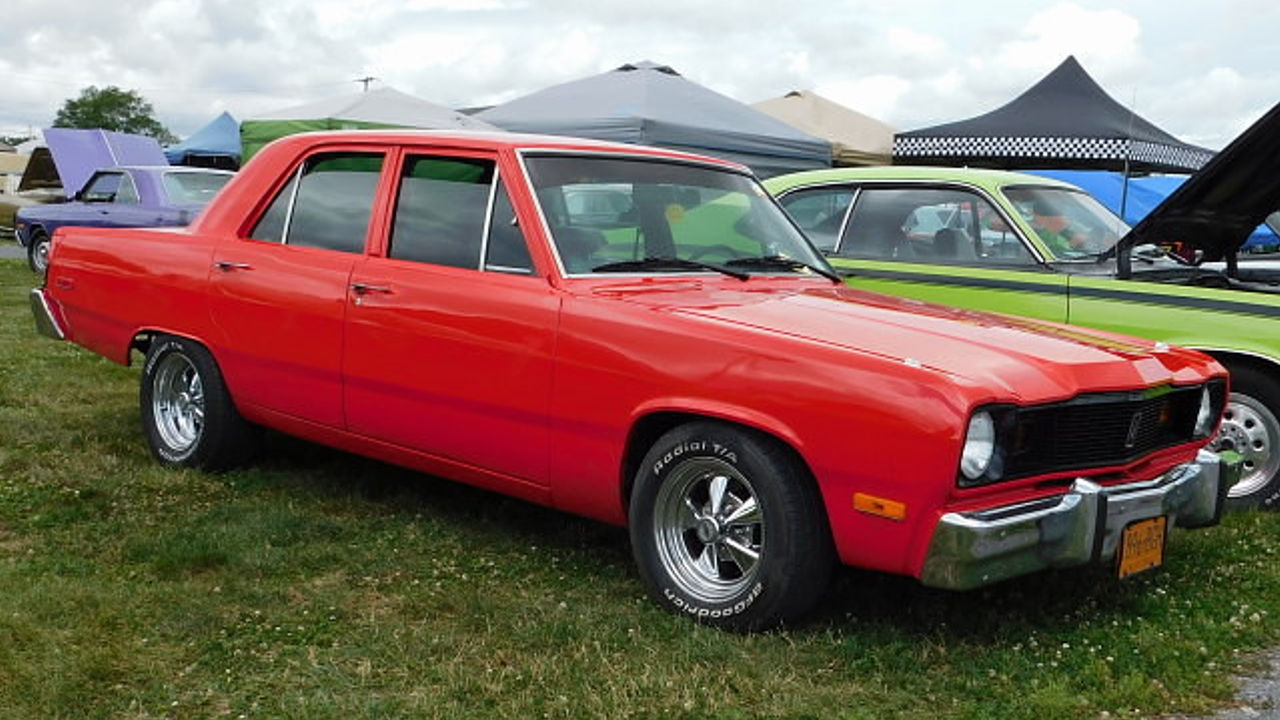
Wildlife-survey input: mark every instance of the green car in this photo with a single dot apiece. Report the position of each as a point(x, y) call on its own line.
point(1026, 245)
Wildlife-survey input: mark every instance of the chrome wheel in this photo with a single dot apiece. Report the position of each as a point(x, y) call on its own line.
point(38, 254)
point(1251, 429)
point(709, 529)
point(177, 403)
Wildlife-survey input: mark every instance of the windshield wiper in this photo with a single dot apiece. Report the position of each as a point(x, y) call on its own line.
point(668, 263)
point(784, 262)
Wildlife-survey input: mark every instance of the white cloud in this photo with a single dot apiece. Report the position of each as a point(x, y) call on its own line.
point(1196, 70)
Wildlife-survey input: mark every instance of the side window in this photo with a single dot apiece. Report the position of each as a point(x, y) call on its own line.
point(931, 225)
point(506, 250)
point(326, 205)
point(820, 213)
point(126, 194)
point(441, 210)
point(270, 227)
point(103, 187)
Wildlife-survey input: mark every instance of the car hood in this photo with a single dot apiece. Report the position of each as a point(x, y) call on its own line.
point(78, 153)
point(1219, 206)
point(1024, 359)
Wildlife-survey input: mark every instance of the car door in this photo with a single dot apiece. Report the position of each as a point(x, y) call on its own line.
point(108, 199)
point(941, 243)
point(279, 294)
point(450, 334)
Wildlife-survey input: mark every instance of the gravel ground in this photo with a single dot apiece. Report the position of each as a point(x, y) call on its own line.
point(12, 250)
point(1258, 697)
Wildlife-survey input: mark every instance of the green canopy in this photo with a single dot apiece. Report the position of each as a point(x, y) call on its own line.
point(382, 108)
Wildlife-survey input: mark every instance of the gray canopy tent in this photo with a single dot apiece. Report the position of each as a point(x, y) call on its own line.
point(652, 104)
point(1065, 121)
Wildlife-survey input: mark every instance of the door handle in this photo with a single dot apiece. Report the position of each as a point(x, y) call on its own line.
point(366, 288)
point(227, 266)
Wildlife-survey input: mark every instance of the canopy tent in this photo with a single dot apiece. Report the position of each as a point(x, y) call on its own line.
point(215, 145)
point(1139, 196)
point(652, 104)
point(1064, 121)
point(382, 108)
point(856, 139)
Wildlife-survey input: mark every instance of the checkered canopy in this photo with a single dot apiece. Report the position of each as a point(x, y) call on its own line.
point(1064, 121)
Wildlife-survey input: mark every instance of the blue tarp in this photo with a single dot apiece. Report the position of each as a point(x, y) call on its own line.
point(1144, 194)
point(220, 138)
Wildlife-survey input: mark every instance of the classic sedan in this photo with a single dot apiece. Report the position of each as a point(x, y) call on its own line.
point(1040, 248)
point(678, 359)
point(135, 196)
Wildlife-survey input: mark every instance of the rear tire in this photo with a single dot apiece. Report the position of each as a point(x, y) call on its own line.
point(187, 413)
point(1251, 427)
point(38, 252)
point(728, 528)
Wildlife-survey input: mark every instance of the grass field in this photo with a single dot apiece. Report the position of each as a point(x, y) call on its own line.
point(321, 585)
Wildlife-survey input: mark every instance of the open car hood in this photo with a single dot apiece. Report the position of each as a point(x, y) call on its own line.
point(1219, 206)
point(78, 153)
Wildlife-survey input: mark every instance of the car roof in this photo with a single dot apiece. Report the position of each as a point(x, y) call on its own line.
point(166, 168)
point(499, 140)
point(974, 176)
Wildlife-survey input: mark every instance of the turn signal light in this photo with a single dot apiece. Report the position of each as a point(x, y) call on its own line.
point(883, 507)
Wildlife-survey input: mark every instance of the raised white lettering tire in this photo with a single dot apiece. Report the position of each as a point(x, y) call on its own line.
point(187, 414)
point(728, 528)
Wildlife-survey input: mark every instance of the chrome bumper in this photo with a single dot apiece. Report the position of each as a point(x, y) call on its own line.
point(1084, 525)
point(45, 322)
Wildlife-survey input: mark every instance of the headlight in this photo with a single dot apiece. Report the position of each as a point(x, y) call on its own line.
point(1206, 418)
point(979, 446)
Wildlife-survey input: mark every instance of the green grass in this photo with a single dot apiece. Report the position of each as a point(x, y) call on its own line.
point(321, 585)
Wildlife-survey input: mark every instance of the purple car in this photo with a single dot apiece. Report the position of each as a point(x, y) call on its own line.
point(121, 197)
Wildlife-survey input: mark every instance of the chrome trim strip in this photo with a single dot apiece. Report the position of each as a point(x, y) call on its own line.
point(45, 323)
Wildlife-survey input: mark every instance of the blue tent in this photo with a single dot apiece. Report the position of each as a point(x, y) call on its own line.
point(214, 145)
point(1144, 194)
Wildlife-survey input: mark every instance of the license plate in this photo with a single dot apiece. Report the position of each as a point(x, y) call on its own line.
point(1141, 546)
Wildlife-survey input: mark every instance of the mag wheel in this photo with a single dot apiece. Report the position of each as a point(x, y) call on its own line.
point(38, 252)
point(727, 527)
point(188, 416)
point(1250, 426)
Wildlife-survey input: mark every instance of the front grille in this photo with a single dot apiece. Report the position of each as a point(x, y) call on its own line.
point(1097, 430)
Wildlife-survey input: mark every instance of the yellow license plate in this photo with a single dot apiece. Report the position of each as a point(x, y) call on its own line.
point(1141, 546)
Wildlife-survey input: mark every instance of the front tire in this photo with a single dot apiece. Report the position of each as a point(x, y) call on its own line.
point(728, 527)
point(1251, 427)
point(187, 413)
point(38, 252)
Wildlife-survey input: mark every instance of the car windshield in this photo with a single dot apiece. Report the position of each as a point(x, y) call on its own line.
point(653, 216)
point(193, 188)
point(1071, 223)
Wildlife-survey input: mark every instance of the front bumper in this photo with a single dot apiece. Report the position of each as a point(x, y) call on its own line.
point(1082, 526)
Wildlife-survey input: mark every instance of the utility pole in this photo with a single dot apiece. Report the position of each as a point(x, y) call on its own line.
point(365, 81)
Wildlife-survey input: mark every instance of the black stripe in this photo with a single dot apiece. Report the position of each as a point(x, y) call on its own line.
point(969, 282)
point(1230, 306)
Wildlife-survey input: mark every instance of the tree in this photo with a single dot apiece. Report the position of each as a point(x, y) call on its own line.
point(111, 108)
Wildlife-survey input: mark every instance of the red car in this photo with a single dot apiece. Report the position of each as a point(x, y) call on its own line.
point(641, 337)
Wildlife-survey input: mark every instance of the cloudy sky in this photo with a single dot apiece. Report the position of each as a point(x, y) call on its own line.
point(1201, 70)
